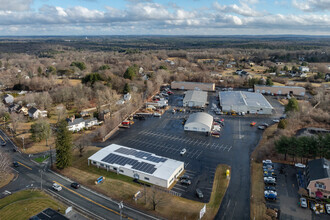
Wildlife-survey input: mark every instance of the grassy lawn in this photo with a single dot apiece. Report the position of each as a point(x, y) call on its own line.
point(121, 187)
point(25, 204)
point(41, 159)
point(5, 179)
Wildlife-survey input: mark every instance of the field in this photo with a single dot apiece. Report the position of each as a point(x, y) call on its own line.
point(4, 180)
point(27, 203)
point(172, 207)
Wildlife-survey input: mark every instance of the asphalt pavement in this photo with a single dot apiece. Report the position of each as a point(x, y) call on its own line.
point(30, 174)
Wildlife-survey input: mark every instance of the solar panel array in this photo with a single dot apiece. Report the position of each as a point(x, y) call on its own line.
point(140, 154)
point(120, 160)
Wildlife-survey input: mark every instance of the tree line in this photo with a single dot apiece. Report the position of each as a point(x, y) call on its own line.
point(308, 147)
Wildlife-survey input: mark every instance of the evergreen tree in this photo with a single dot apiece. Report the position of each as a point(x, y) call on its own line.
point(127, 88)
point(63, 145)
point(39, 70)
point(292, 105)
point(269, 81)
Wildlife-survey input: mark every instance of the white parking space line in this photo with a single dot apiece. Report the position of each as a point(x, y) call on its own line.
point(195, 154)
point(230, 148)
point(178, 189)
point(186, 165)
point(199, 154)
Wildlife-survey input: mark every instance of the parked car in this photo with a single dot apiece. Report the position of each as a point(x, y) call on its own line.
point(75, 185)
point(57, 187)
point(303, 202)
point(269, 179)
point(272, 188)
point(270, 182)
point(156, 114)
point(199, 193)
point(270, 196)
point(261, 127)
point(327, 208)
point(267, 162)
point(253, 123)
point(185, 177)
point(267, 192)
point(265, 124)
point(15, 164)
point(185, 182)
point(300, 165)
point(276, 120)
point(183, 151)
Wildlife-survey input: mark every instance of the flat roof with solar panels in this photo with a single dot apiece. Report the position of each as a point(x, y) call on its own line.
point(138, 164)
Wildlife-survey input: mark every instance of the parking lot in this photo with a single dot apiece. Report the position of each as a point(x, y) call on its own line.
point(166, 137)
point(287, 195)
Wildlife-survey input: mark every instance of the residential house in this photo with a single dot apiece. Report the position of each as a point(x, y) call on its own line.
point(91, 122)
point(75, 124)
point(242, 73)
point(8, 99)
point(318, 178)
point(229, 66)
point(104, 115)
point(13, 108)
point(127, 97)
point(36, 113)
point(220, 62)
point(84, 113)
point(22, 109)
point(304, 69)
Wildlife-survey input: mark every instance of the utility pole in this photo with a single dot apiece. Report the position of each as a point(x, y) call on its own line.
point(50, 153)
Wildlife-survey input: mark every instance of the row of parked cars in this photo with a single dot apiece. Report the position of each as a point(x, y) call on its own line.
point(185, 180)
point(218, 124)
point(269, 180)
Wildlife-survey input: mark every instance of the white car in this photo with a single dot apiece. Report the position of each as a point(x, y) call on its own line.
point(300, 165)
point(183, 151)
point(267, 161)
point(57, 187)
point(269, 178)
point(156, 114)
point(276, 120)
point(327, 208)
point(303, 202)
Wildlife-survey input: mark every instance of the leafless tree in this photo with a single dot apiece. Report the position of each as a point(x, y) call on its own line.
point(156, 198)
point(82, 143)
point(15, 120)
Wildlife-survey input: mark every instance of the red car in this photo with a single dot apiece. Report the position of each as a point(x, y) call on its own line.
point(253, 123)
point(170, 92)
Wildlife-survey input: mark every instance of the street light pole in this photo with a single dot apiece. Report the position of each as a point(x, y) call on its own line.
point(121, 206)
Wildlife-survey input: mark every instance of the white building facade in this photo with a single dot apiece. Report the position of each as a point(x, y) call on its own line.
point(200, 122)
point(138, 164)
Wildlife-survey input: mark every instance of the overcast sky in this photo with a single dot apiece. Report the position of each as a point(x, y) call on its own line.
point(164, 17)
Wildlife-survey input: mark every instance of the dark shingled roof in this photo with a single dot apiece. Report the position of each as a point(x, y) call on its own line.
point(32, 110)
point(319, 169)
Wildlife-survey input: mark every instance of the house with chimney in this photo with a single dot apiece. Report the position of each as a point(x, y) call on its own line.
point(318, 178)
point(78, 124)
point(36, 113)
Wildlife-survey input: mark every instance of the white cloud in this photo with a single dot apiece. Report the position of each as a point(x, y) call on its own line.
point(15, 5)
point(154, 18)
point(242, 9)
point(312, 5)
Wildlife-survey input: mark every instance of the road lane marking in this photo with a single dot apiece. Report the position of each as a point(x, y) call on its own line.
point(2, 138)
point(92, 201)
point(24, 165)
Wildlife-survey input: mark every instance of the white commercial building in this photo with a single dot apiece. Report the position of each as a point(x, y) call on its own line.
point(195, 98)
point(199, 121)
point(193, 86)
point(138, 164)
point(247, 102)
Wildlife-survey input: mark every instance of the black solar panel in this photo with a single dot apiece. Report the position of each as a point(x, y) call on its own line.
point(140, 154)
point(120, 160)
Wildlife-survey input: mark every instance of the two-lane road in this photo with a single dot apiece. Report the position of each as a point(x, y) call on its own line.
point(31, 174)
